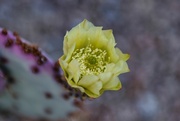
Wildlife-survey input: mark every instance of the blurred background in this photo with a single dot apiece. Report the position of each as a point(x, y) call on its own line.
point(149, 30)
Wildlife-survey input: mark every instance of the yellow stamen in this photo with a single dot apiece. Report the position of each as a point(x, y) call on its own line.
point(92, 60)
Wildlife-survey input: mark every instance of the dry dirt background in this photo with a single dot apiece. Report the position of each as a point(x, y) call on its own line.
point(149, 30)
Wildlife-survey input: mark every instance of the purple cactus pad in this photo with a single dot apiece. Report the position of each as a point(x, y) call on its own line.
point(35, 87)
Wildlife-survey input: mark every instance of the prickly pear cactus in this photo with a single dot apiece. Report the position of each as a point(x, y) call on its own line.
point(31, 84)
point(2, 81)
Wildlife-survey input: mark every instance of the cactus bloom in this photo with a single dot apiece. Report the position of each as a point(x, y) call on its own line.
point(91, 62)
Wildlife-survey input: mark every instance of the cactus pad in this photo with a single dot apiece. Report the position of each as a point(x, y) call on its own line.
point(31, 83)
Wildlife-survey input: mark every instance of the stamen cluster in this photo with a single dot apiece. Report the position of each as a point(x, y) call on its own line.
point(92, 60)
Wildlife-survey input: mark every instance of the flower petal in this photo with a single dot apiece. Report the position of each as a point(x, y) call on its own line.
point(91, 85)
point(122, 56)
point(63, 65)
point(112, 53)
point(77, 35)
point(72, 84)
point(69, 50)
point(74, 70)
point(62, 62)
point(86, 24)
point(88, 80)
point(98, 39)
point(105, 77)
point(109, 35)
point(94, 90)
point(114, 84)
point(120, 67)
point(110, 67)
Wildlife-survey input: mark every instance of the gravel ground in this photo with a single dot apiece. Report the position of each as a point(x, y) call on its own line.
point(149, 30)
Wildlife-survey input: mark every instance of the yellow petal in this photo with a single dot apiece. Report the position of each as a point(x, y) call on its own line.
point(120, 67)
point(111, 43)
point(69, 52)
point(62, 62)
point(88, 80)
point(112, 54)
point(105, 77)
point(72, 84)
point(91, 85)
point(85, 24)
point(74, 70)
point(65, 44)
point(95, 32)
point(110, 67)
point(114, 84)
point(68, 43)
point(109, 34)
point(78, 35)
point(96, 37)
point(94, 90)
point(63, 65)
point(122, 56)
point(72, 38)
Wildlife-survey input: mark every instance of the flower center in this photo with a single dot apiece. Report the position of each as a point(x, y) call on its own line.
point(92, 60)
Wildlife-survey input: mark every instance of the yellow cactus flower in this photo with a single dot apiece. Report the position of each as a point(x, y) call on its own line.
point(91, 62)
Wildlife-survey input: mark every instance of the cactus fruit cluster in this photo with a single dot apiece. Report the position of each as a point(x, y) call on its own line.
point(31, 84)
